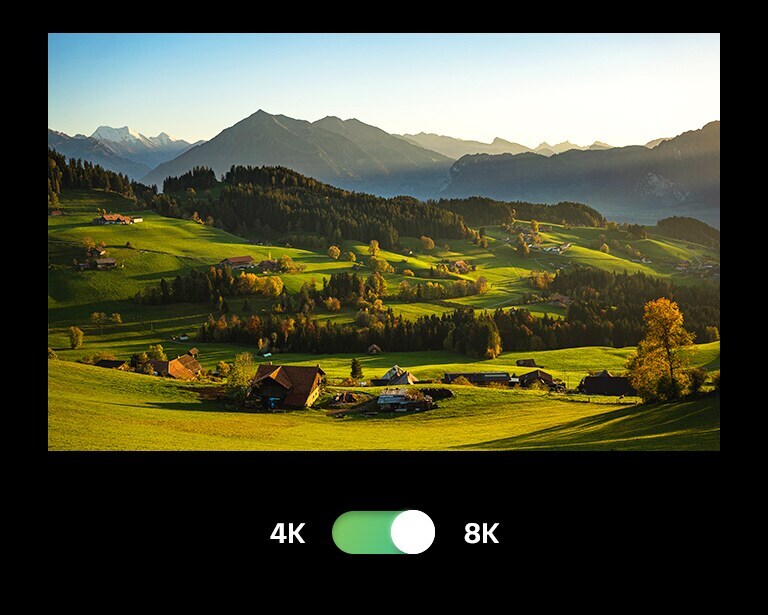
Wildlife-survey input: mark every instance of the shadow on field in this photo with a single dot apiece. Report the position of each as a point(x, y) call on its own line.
point(192, 406)
point(693, 424)
point(169, 274)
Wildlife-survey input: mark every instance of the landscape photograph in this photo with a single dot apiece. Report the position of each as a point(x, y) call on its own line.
point(383, 242)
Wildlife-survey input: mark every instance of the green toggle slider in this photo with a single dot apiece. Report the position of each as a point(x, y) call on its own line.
point(383, 532)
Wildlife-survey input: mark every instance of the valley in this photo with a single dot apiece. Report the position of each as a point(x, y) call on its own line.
point(145, 412)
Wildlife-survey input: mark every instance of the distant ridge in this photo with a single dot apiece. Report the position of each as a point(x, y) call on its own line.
point(679, 176)
point(456, 148)
point(346, 153)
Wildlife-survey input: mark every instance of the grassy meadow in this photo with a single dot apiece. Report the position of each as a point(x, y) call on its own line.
point(136, 412)
point(94, 408)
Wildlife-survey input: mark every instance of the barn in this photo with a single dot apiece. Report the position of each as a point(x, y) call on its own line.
point(286, 386)
point(604, 383)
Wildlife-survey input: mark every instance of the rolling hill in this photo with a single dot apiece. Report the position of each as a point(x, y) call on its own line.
point(138, 412)
point(680, 176)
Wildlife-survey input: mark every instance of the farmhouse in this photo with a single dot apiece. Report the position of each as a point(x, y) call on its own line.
point(391, 399)
point(395, 375)
point(137, 219)
point(559, 300)
point(112, 219)
point(374, 349)
point(286, 386)
point(604, 383)
point(184, 367)
point(97, 251)
point(398, 400)
point(536, 375)
point(268, 265)
point(480, 378)
point(236, 262)
point(105, 263)
point(526, 362)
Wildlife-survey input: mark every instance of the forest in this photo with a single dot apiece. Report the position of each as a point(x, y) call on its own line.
point(607, 310)
point(72, 173)
point(689, 229)
point(480, 211)
point(265, 200)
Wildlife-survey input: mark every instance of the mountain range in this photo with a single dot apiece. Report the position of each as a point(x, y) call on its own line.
point(456, 148)
point(120, 149)
point(679, 176)
point(667, 176)
point(346, 153)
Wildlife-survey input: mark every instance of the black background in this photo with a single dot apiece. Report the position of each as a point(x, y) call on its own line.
point(175, 505)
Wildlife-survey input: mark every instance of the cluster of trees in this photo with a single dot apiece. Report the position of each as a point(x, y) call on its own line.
point(637, 231)
point(461, 331)
point(100, 319)
point(609, 306)
point(660, 369)
point(211, 286)
point(541, 279)
point(479, 211)
point(199, 178)
point(75, 173)
point(689, 229)
point(432, 291)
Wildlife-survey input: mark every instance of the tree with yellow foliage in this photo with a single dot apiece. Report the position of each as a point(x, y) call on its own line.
point(658, 370)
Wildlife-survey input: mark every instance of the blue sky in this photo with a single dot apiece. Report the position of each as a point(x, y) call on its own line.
point(528, 88)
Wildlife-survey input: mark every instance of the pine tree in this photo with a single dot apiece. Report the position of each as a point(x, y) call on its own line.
point(357, 369)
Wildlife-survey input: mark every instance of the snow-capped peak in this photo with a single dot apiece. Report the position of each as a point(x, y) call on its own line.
point(118, 135)
point(163, 139)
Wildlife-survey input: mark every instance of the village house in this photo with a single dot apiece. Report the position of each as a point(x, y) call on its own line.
point(374, 349)
point(604, 383)
point(96, 251)
point(398, 400)
point(184, 367)
point(480, 378)
point(526, 362)
point(56, 212)
point(559, 300)
point(237, 262)
point(536, 375)
point(268, 265)
point(286, 386)
point(137, 219)
point(105, 263)
point(396, 375)
point(112, 219)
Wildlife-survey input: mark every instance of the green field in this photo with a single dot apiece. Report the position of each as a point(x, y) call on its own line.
point(166, 247)
point(93, 408)
point(135, 412)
